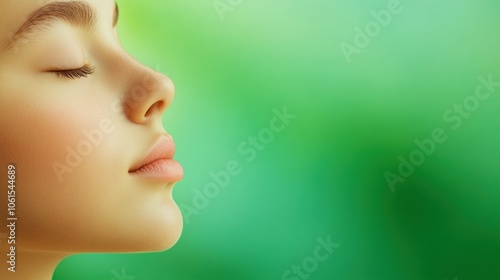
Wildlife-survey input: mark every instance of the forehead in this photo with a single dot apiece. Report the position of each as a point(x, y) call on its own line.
point(15, 13)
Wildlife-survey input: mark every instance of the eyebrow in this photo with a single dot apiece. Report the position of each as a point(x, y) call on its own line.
point(76, 13)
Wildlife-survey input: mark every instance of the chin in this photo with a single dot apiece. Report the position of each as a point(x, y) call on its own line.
point(170, 239)
point(166, 235)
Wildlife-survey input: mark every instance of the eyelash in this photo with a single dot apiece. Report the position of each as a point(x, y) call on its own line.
point(82, 72)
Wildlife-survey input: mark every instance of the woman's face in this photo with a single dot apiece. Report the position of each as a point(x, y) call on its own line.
point(77, 116)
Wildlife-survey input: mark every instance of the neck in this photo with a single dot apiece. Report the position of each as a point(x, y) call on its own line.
point(32, 265)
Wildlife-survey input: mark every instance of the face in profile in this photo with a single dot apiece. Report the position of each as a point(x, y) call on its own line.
point(81, 122)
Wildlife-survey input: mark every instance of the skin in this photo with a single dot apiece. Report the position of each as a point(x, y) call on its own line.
point(98, 206)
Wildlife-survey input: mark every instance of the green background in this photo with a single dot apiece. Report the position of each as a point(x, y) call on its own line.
point(323, 175)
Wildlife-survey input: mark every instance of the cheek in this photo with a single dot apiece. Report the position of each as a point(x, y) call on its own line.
point(36, 137)
point(51, 143)
point(45, 133)
point(72, 157)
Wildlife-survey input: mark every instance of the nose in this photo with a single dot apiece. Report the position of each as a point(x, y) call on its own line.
point(148, 95)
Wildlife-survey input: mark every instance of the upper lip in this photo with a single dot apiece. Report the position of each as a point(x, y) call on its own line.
point(163, 149)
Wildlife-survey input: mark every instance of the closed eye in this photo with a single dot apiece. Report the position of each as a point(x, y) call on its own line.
point(82, 72)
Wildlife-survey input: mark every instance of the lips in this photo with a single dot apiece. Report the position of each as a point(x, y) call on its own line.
point(159, 163)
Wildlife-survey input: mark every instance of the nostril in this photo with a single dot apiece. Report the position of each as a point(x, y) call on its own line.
point(156, 107)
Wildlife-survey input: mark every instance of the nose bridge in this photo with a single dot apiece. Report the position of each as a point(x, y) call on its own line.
point(147, 93)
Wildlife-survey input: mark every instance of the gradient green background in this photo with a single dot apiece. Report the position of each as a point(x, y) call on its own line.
point(324, 174)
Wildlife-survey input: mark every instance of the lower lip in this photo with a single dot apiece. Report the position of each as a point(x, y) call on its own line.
point(167, 170)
